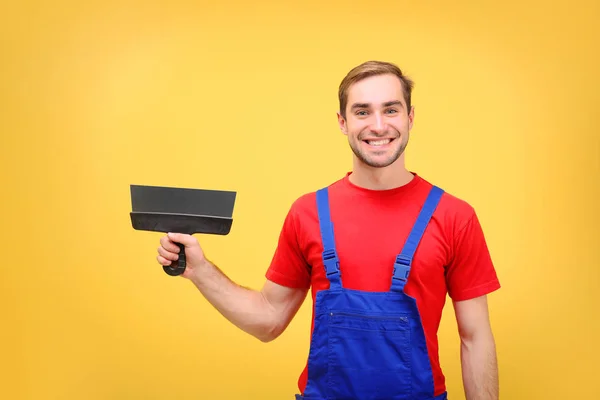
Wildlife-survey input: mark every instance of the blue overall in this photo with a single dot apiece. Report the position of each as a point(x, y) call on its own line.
point(369, 345)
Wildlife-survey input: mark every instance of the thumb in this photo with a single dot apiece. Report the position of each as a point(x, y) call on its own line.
point(186, 240)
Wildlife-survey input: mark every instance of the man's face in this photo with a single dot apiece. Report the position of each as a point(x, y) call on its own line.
point(377, 120)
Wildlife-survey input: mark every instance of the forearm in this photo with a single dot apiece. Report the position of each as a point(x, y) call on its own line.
point(480, 368)
point(245, 308)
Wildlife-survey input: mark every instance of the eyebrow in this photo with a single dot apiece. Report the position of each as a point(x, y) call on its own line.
point(386, 104)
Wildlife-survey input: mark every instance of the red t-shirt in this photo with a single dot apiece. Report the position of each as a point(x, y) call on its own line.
point(370, 229)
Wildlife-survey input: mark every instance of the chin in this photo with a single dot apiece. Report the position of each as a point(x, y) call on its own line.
point(381, 160)
point(380, 163)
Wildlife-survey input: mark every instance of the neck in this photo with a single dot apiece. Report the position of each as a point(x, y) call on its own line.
point(390, 177)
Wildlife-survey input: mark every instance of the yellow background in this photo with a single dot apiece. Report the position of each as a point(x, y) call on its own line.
point(96, 96)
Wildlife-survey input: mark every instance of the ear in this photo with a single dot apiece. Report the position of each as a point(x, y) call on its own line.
point(411, 117)
point(342, 124)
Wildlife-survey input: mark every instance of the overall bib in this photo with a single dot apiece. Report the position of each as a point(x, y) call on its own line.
point(369, 345)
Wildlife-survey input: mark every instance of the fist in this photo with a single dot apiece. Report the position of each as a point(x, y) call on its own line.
point(168, 252)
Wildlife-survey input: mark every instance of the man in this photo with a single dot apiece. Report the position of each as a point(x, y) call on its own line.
point(380, 248)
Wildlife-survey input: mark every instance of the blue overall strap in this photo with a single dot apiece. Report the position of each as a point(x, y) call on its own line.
point(330, 257)
point(404, 259)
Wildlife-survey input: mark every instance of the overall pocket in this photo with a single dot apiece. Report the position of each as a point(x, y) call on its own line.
point(369, 356)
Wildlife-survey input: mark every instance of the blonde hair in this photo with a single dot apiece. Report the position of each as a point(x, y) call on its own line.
point(368, 69)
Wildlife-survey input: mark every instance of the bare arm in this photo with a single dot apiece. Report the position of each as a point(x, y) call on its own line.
point(478, 349)
point(264, 314)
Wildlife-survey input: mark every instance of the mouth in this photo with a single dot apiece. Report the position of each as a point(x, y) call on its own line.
point(378, 143)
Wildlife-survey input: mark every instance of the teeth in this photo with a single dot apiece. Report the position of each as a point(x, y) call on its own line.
point(378, 142)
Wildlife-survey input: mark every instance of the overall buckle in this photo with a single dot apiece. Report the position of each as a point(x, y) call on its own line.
point(331, 262)
point(402, 267)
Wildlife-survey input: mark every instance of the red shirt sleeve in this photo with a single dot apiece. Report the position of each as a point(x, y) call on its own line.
point(471, 272)
point(289, 266)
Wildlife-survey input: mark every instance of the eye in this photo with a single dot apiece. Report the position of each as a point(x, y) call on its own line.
point(392, 110)
point(362, 112)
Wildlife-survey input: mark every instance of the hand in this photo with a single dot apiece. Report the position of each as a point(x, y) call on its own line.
point(168, 252)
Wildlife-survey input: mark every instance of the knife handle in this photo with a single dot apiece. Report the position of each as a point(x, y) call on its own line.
point(180, 268)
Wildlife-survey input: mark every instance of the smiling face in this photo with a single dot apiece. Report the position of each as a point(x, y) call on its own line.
point(377, 120)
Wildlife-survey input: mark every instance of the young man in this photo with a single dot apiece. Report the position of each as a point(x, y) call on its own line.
point(380, 248)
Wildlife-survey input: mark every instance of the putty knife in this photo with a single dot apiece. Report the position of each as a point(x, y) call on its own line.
point(181, 210)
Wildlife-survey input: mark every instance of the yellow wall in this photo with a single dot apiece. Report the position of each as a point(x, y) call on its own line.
point(96, 96)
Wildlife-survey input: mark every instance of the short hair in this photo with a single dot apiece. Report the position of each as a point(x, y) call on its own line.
point(373, 68)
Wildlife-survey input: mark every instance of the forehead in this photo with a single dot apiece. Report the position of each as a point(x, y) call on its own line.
point(376, 90)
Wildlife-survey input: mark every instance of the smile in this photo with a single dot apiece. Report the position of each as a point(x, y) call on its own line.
point(378, 142)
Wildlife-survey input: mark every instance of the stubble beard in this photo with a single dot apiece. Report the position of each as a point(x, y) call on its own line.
point(371, 162)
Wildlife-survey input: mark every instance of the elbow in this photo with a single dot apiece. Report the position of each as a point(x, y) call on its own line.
point(269, 333)
point(481, 338)
point(266, 338)
point(265, 335)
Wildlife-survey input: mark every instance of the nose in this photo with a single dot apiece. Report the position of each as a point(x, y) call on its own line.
point(378, 125)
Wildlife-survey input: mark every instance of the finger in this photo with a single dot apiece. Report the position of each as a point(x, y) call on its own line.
point(168, 254)
point(169, 245)
point(186, 240)
point(163, 261)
